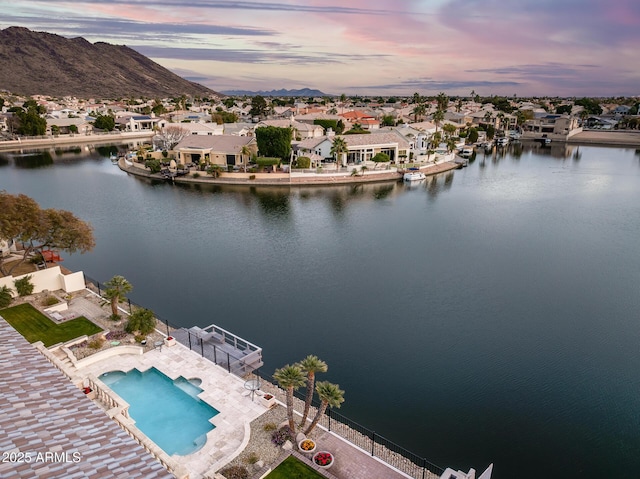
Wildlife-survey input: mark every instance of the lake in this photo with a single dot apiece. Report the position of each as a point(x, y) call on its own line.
point(489, 314)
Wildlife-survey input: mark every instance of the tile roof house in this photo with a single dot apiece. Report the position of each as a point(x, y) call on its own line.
point(50, 430)
point(220, 150)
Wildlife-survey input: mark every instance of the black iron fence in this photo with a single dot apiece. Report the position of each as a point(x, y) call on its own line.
point(366, 439)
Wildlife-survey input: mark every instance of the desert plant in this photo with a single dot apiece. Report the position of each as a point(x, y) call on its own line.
point(282, 435)
point(235, 472)
point(117, 288)
point(252, 458)
point(95, 343)
point(290, 378)
point(310, 366)
point(270, 426)
point(50, 301)
point(141, 320)
point(24, 286)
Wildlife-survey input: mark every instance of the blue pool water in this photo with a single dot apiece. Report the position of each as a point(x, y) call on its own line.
point(168, 412)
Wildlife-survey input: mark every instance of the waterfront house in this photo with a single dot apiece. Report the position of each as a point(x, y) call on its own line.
point(64, 126)
point(140, 123)
point(222, 150)
point(554, 127)
point(201, 128)
point(317, 149)
point(363, 147)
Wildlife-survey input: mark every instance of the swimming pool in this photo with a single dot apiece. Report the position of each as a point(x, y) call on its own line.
point(168, 412)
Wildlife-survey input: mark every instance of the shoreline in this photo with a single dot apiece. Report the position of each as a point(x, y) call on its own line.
point(295, 179)
point(628, 138)
point(74, 139)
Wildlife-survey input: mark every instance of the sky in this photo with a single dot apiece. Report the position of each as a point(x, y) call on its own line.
point(367, 47)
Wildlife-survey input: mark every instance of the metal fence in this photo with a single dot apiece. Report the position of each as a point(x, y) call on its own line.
point(366, 439)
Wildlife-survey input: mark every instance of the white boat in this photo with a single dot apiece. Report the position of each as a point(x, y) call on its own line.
point(514, 135)
point(113, 158)
point(466, 152)
point(502, 141)
point(414, 176)
point(488, 146)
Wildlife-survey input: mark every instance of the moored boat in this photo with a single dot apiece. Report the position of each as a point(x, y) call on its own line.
point(414, 176)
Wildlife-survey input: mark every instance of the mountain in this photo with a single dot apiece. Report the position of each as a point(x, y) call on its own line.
point(277, 93)
point(39, 63)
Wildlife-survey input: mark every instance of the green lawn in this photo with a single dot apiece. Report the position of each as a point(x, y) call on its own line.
point(293, 468)
point(35, 326)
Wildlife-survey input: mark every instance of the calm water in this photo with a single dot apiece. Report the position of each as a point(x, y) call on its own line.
point(490, 314)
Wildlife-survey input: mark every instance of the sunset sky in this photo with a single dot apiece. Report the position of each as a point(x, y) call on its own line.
point(368, 47)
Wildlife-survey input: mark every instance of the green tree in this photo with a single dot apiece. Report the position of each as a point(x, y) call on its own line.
point(258, 106)
point(310, 366)
point(229, 102)
point(380, 158)
point(23, 219)
point(223, 117)
point(6, 297)
point(473, 136)
point(591, 105)
point(388, 120)
point(153, 165)
point(338, 149)
point(449, 130)
point(31, 123)
point(73, 128)
point(158, 108)
point(274, 142)
point(105, 122)
point(303, 162)
point(24, 286)
point(141, 320)
point(290, 378)
point(491, 132)
point(245, 152)
point(55, 130)
point(117, 289)
point(563, 110)
point(330, 395)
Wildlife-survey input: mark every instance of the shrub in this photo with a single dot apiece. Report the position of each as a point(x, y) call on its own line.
point(50, 301)
point(114, 317)
point(252, 177)
point(153, 165)
point(95, 343)
point(141, 320)
point(235, 472)
point(5, 296)
point(270, 426)
point(196, 175)
point(252, 458)
point(303, 162)
point(24, 286)
point(165, 153)
point(282, 435)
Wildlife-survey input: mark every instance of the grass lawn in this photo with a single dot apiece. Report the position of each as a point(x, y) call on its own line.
point(293, 468)
point(35, 326)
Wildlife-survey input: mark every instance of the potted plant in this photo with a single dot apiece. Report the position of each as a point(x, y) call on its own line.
point(169, 341)
point(90, 393)
point(323, 459)
point(267, 400)
point(307, 446)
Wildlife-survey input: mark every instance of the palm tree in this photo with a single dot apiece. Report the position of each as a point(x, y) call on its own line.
point(419, 110)
point(310, 365)
point(117, 289)
point(330, 395)
point(290, 378)
point(501, 117)
point(339, 148)
point(488, 117)
point(438, 116)
point(245, 152)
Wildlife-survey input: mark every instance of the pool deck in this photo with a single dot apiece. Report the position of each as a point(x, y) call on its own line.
point(222, 390)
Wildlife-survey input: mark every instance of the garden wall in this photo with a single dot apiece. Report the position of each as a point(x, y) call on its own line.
point(50, 279)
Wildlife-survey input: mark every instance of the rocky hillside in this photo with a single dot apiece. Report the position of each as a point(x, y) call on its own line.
point(46, 64)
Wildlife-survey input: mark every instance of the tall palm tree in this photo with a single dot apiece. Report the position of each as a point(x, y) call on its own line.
point(419, 110)
point(501, 121)
point(339, 148)
point(310, 365)
point(117, 289)
point(245, 152)
point(290, 378)
point(330, 395)
point(438, 116)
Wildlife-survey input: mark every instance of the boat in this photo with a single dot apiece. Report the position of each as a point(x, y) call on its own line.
point(514, 135)
point(488, 146)
point(113, 158)
point(414, 176)
point(466, 152)
point(461, 162)
point(502, 141)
